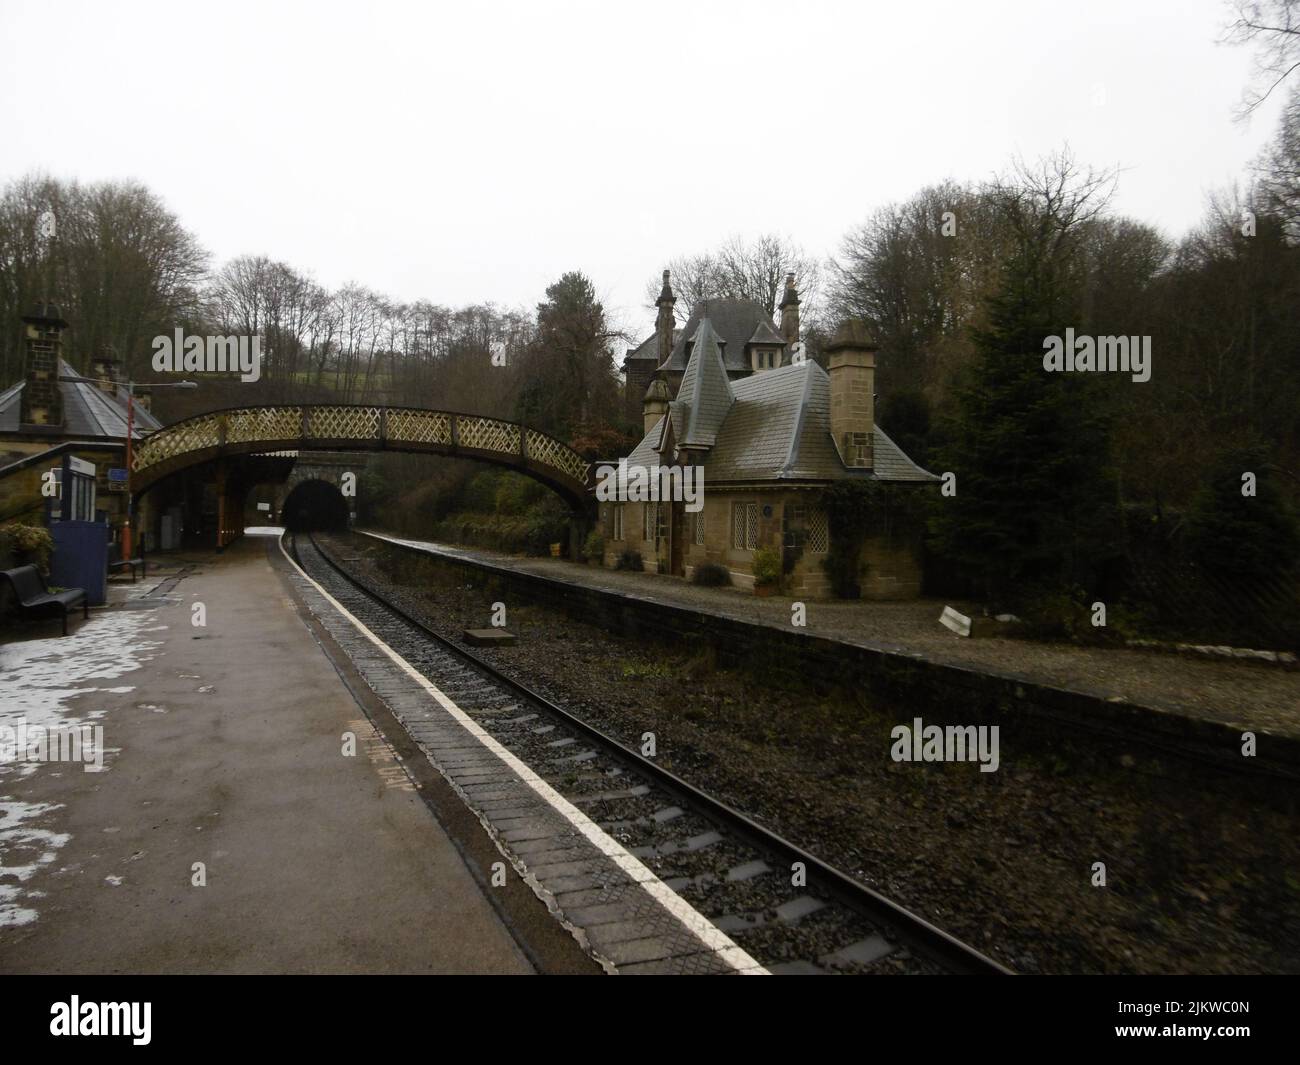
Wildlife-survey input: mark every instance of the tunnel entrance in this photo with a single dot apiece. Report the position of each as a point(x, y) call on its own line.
point(315, 506)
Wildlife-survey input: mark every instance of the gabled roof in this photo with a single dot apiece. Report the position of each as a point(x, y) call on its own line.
point(733, 322)
point(765, 334)
point(705, 394)
point(778, 429)
point(87, 411)
point(648, 348)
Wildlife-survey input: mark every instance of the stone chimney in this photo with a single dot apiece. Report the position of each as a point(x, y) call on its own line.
point(665, 322)
point(655, 404)
point(144, 397)
point(851, 356)
point(790, 311)
point(42, 399)
point(107, 372)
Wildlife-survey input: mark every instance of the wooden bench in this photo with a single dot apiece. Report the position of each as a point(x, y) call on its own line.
point(32, 594)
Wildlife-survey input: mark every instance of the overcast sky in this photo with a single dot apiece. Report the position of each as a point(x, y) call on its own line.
point(472, 152)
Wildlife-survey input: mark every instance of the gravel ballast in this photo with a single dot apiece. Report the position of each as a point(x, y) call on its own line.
point(1202, 867)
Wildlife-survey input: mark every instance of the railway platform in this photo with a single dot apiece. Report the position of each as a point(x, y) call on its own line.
point(1180, 693)
point(234, 809)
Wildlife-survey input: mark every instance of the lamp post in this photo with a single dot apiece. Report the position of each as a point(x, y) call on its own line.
point(130, 387)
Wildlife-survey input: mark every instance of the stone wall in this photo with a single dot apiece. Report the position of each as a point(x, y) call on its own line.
point(42, 402)
point(942, 693)
point(890, 567)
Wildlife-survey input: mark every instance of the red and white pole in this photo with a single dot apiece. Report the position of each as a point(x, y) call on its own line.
point(130, 432)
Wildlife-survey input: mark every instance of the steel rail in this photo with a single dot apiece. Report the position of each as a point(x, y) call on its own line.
point(910, 929)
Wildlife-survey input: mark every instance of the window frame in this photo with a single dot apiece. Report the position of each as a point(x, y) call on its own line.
point(742, 527)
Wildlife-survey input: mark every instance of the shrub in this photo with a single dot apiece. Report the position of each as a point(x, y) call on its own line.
point(30, 541)
point(1056, 613)
point(892, 510)
point(630, 560)
point(595, 545)
point(711, 575)
point(767, 566)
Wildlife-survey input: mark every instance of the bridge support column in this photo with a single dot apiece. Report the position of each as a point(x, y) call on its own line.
point(221, 505)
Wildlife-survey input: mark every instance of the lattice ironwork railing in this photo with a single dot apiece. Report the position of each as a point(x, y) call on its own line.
point(488, 434)
point(343, 423)
point(263, 423)
point(551, 452)
point(177, 440)
point(419, 427)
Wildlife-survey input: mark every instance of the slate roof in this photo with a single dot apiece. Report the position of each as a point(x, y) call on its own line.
point(778, 429)
point(87, 411)
point(765, 334)
point(648, 348)
point(734, 322)
point(705, 394)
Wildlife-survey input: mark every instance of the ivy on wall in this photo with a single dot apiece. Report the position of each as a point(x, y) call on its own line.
point(858, 509)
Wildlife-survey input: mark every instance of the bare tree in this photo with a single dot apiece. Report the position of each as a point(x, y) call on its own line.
point(120, 265)
point(1273, 25)
point(1278, 173)
point(920, 272)
point(1047, 203)
point(740, 269)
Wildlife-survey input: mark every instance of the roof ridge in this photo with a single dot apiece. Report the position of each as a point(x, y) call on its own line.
point(704, 370)
point(792, 455)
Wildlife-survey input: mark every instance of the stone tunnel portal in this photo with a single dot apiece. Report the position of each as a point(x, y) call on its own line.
point(315, 506)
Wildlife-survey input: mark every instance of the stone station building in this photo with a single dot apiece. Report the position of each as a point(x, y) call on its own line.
point(733, 394)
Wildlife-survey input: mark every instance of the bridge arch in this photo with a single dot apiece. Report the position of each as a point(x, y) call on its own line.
point(240, 431)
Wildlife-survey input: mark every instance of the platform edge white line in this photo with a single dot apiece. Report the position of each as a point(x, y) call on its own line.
point(699, 925)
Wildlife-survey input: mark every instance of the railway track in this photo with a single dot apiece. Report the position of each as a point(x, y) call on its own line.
point(784, 907)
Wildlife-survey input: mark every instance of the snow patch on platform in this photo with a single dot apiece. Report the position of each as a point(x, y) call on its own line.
point(38, 681)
